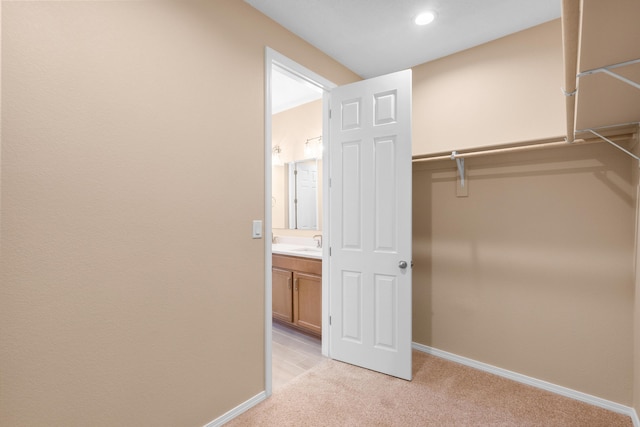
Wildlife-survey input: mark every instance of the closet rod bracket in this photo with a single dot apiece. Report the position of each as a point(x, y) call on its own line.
point(460, 163)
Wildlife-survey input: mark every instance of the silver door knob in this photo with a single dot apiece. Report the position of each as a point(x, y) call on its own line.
point(402, 264)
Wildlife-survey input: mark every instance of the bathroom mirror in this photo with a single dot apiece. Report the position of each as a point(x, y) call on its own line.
point(296, 197)
point(303, 195)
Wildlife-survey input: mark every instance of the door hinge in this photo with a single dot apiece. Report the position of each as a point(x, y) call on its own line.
point(329, 182)
point(329, 112)
point(329, 250)
point(329, 320)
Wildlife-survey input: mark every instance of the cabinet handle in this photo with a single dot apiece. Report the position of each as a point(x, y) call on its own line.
point(295, 284)
point(289, 283)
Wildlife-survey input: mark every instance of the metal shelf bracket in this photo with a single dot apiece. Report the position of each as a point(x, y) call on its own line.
point(612, 143)
point(460, 163)
point(608, 68)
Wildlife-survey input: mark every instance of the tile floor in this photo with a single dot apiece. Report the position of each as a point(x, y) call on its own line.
point(293, 353)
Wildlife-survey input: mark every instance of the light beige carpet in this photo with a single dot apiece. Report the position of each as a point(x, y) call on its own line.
point(442, 393)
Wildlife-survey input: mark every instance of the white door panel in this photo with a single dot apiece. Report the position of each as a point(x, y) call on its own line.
point(370, 224)
point(306, 195)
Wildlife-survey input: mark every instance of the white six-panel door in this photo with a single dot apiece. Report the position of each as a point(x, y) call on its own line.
point(306, 195)
point(370, 224)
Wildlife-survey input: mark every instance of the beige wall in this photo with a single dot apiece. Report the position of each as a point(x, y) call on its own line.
point(533, 271)
point(279, 196)
point(132, 166)
point(501, 92)
point(636, 313)
point(291, 128)
point(124, 300)
point(636, 326)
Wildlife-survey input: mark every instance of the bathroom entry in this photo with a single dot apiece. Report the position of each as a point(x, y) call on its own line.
point(380, 110)
point(295, 127)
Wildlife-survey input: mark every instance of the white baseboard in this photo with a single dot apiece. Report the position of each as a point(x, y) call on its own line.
point(237, 410)
point(563, 391)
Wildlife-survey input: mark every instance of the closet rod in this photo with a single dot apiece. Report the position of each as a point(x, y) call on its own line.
point(458, 155)
point(560, 142)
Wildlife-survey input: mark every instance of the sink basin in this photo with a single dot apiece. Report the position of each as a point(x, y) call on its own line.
point(308, 249)
point(296, 250)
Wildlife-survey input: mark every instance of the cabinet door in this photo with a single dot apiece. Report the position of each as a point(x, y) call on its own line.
point(281, 294)
point(307, 302)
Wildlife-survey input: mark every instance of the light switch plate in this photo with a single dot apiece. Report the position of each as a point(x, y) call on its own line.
point(257, 229)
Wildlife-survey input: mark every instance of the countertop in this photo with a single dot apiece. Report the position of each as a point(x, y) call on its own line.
point(296, 250)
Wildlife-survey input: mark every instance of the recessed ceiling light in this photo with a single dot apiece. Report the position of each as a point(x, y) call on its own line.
point(425, 18)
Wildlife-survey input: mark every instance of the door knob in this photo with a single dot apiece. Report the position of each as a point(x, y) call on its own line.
point(402, 264)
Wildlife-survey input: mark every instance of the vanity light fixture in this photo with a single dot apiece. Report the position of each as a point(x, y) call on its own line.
point(425, 18)
point(313, 148)
point(276, 160)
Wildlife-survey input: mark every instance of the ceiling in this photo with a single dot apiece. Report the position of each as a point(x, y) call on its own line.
point(375, 37)
point(289, 91)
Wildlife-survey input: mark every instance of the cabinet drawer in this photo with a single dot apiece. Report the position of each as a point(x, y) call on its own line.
point(306, 265)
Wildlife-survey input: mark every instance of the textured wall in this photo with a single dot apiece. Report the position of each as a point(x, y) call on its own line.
point(533, 271)
point(132, 166)
point(504, 91)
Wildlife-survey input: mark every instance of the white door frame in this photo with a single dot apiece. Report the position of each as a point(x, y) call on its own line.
point(274, 58)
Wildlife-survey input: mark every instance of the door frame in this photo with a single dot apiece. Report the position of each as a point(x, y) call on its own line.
point(272, 58)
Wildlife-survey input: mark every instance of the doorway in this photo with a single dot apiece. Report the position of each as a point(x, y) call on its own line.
point(277, 65)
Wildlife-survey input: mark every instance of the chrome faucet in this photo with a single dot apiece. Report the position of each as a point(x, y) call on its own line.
point(318, 237)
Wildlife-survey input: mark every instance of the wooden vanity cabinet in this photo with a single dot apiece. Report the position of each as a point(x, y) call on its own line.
point(282, 294)
point(297, 292)
point(307, 302)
